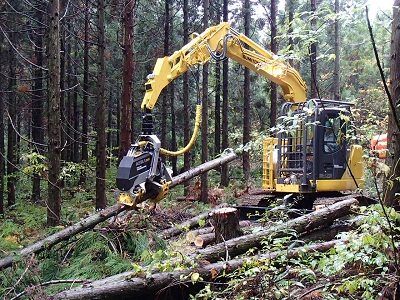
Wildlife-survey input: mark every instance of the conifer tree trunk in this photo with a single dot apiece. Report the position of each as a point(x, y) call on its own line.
point(185, 98)
point(290, 5)
point(174, 159)
point(217, 129)
point(101, 201)
point(274, 88)
point(76, 124)
point(127, 79)
point(11, 134)
point(54, 116)
point(63, 105)
point(109, 122)
point(204, 124)
point(69, 112)
point(37, 106)
point(85, 102)
point(336, 76)
point(225, 107)
point(313, 55)
point(2, 154)
point(165, 95)
point(246, 98)
point(392, 197)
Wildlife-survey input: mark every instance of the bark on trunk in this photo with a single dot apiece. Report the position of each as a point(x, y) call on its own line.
point(226, 224)
point(274, 86)
point(85, 102)
point(393, 184)
point(246, 100)
point(225, 105)
point(127, 79)
point(54, 117)
point(101, 200)
point(204, 114)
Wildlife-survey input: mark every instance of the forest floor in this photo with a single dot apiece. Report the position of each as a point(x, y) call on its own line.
point(363, 267)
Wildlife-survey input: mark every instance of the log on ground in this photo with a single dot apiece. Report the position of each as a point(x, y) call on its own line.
point(193, 222)
point(301, 224)
point(136, 286)
point(191, 235)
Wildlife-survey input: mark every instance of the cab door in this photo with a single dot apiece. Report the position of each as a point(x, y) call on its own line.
point(332, 146)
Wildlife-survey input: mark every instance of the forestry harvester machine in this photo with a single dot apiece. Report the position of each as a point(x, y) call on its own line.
point(311, 154)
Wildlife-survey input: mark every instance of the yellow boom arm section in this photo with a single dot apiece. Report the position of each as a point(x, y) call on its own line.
point(220, 41)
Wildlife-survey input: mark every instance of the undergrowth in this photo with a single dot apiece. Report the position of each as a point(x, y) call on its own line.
point(360, 266)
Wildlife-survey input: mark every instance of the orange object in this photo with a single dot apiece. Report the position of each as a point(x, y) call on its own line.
point(379, 145)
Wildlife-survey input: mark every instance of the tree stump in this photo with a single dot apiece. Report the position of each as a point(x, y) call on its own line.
point(226, 224)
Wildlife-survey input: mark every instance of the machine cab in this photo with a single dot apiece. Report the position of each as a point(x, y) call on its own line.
point(313, 152)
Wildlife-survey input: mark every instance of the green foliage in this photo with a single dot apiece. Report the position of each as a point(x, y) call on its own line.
point(358, 267)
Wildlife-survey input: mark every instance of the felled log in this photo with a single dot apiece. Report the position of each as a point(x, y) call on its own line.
point(212, 164)
point(301, 224)
point(226, 224)
point(103, 215)
point(204, 240)
point(138, 286)
point(193, 222)
point(330, 232)
point(191, 235)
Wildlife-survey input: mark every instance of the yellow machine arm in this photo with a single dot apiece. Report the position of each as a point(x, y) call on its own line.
point(219, 42)
point(141, 174)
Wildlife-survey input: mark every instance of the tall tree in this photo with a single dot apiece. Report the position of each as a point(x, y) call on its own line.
point(217, 129)
point(290, 5)
point(101, 201)
point(38, 98)
point(164, 104)
point(336, 74)
point(204, 124)
point(185, 97)
point(225, 104)
point(274, 87)
point(2, 154)
point(392, 197)
point(11, 128)
point(54, 116)
point(313, 52)
point(85, 86)
point(246, 98)
point(170, 88)
point(127, 78)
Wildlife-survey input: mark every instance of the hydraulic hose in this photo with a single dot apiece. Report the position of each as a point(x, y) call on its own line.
point(193, 138)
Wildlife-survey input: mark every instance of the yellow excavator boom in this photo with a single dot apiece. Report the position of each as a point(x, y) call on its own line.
point(223, 41)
